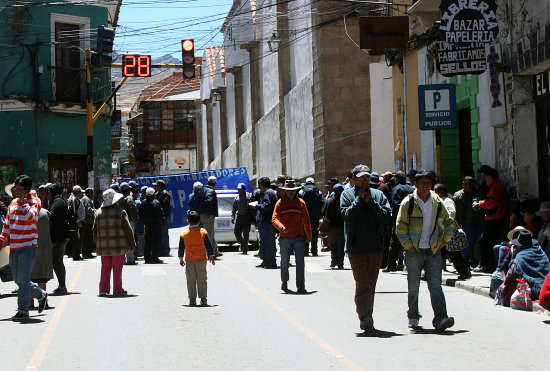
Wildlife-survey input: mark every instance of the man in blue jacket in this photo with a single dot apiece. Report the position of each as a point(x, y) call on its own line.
point(267, 199)
point(365, 212)
point(314, 200)
point(207, 205)
point(152, 216)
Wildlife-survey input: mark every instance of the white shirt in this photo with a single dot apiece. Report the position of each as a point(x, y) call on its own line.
point(427, 210)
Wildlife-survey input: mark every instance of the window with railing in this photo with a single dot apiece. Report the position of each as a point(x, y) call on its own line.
point(69, 73)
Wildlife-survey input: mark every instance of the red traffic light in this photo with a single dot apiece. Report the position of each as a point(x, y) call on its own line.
point(187, 45)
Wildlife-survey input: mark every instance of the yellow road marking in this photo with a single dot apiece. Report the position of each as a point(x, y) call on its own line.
point(293, 320)
point(46, 340)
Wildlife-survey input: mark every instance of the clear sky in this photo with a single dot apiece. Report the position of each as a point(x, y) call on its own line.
point(156, 27)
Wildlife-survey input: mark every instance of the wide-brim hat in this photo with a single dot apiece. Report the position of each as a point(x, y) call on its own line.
point(290, 185)
point(524, 239)
point(110, 197)
point(543, 211)
point(8, 189)
point(510, 234)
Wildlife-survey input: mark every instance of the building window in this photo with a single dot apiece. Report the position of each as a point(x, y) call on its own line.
point(140, 132)
point(69, 36)
point(167, 120)
point(154, 120)
point(180, 120)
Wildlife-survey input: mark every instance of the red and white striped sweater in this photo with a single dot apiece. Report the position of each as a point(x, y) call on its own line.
point(20, 224)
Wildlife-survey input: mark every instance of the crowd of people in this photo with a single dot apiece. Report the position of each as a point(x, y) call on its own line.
point(387, 222)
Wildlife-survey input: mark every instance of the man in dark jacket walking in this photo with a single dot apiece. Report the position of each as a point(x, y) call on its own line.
point(207, 204)
point(152, 216)
point(267, 198)
point(314, 200)
point(365, 211)
point(59, 233)
point(163, 196)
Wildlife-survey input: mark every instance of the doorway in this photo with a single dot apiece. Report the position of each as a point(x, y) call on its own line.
point(543, 141)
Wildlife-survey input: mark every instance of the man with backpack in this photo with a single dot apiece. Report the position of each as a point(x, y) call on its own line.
point(424, 227)
point(241, 216)
point(398, 193)
point(314, 200)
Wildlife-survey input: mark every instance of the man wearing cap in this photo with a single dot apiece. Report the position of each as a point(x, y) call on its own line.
point(76, 216)
point(152, 216)
point(86, 233)
point(163, 196)
point(193, 197)
point(241, 217)
point(411, 176)
point(365, 211)
point(314, 200)
point(495, 221)
point(42, 196)
point(139, 228)
point(128, 204)
point(207, 205)
point(267, 198)
point(544, 233)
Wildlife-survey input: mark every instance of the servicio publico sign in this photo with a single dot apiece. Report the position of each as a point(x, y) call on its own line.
point(437, 106)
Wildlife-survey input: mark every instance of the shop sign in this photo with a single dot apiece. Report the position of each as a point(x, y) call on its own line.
point(496, 84)
point(383, 32)
point(437, 106)
point(461, 59)
point(468, 21)
point(542, 83)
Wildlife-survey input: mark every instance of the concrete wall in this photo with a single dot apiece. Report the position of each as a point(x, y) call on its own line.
point(269, 73)
point(299, 129)
point(381, 94)
point(268, 145)
point(301, 55)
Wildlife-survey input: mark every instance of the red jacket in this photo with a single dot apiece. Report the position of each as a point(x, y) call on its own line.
point(293, 216)
point(496, 204)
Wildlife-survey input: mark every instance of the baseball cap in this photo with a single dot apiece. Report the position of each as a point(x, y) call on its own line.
point(114, 186)
point(89, 189)
point(310, 180)
point(42, 186)
point(484, 169)
point(159, 182)
point(124, 186)
point(77, 188)
point(412, 173)
point(132, 183)
point(197, 185)
point(361, 170)
point(150, 191)
point(212, 179)
point(241, 186)
point(143, 189)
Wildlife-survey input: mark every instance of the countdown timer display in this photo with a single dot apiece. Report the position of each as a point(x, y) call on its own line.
point(136, 65)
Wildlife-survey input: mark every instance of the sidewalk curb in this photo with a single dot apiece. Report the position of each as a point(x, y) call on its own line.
point(483, 291)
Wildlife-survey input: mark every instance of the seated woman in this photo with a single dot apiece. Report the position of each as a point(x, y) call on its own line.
point(528, 262)
point(503, 255)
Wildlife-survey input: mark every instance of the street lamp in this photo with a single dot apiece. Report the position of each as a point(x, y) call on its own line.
point(217, 94)
point(274, 42)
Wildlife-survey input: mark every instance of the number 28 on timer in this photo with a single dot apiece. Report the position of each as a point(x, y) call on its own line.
point(136, 65)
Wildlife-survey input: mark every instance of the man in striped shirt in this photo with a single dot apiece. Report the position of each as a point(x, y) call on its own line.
point(20, 226)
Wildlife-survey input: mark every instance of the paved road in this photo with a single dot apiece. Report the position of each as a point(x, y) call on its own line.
point(251, 324)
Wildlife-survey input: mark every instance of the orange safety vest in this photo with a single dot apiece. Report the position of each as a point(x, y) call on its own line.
point(195, 249)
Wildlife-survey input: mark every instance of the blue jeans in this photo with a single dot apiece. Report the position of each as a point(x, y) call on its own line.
point(471, 233)
point(267, 243)
point(21, 263)
point(296, 244)
point(432, 264)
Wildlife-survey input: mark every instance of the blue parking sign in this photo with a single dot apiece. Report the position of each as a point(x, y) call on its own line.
point(437, 106)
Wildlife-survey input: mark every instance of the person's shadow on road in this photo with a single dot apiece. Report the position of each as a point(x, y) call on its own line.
point(200, 306)
point(64, 294)
point(290, 292)
point(30, 321)
point(422, 331)
point(378, 334)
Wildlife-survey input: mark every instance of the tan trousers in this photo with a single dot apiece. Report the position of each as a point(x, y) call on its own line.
point(195, 271)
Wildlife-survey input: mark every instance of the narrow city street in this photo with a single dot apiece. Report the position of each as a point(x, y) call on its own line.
point(251, 324)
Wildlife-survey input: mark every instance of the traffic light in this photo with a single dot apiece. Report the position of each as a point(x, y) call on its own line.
point(105, 38)
point(188, 58)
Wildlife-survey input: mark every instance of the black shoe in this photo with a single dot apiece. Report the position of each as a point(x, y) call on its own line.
point(158, 261)
point(445, 324)
point(261, 265)
point(42, 303)
point(301, 290)
point(332, 265)
point(88, 256)
point(131, 263)
point(192, 302)
point(465, 276)
point(20, 317)
point(122, 293)
point(389, 269)
point(78, 258)
point(284, 287)
point(204, 302)
point(271, 266)
point(315, 253)
point(340, 267)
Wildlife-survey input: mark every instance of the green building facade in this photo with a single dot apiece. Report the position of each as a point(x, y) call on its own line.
point(43, 92)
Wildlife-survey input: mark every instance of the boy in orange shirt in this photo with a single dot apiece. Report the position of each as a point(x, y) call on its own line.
point(199, 249)
point(291, 218)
